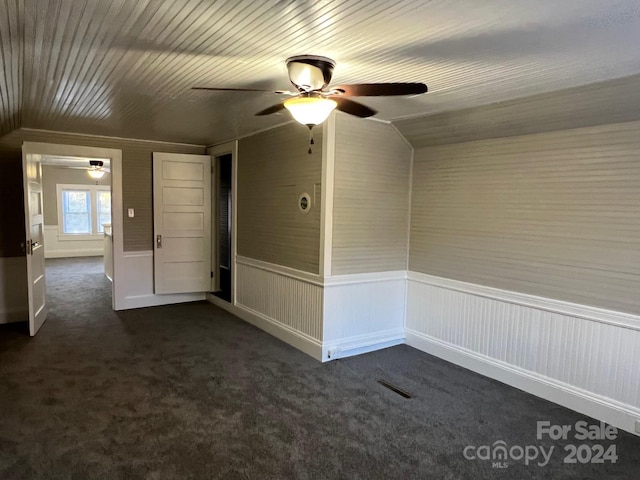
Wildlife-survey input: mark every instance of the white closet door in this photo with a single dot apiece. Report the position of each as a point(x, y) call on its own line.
point(182, 222)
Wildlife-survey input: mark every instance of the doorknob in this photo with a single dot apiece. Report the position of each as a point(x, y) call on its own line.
point(158, 241)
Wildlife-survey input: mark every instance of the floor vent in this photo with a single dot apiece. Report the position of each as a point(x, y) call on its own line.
point(395, 389)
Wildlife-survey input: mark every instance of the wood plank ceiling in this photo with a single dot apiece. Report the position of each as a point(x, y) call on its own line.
point(125, 67)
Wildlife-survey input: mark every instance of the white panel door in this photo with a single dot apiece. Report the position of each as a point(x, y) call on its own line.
point(34, 234)
point(182, 223)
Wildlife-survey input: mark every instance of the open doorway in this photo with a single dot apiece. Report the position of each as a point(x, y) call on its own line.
point(223, 223)
point(78, 211)
point(76, 194)
point(224, 215)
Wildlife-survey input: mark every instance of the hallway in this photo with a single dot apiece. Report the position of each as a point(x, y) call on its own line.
point(78, 293)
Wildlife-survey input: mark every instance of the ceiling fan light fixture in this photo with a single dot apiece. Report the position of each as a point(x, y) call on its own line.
point(96, 173)
point(310, 111)
point(95, 170)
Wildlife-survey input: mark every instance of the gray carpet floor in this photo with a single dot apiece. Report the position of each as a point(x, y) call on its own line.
point(191, 392)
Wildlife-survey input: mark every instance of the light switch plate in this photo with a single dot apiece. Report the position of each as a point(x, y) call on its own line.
point(131, 213)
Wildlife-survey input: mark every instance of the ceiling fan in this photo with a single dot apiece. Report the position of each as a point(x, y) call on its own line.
point(314, 100)
point(96, 168)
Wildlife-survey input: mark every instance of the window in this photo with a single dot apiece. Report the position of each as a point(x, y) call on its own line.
point(76, 211)
point(83, 209)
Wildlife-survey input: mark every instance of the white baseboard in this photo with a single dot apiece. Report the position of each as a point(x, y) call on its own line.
point(293, 337)
point(134, 284)
point(349, 347)
point(151, 300)
point(96, 252)
point(54, 247)
point(362, 313)
point(587, 403)
point(219, 302)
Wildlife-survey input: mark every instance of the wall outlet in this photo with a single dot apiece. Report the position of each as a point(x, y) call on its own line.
point(637, 426)
point(131, 213)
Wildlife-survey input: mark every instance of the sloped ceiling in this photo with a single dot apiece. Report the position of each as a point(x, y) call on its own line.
point(125, 67)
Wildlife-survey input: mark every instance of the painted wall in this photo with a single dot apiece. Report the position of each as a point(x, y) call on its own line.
point(524, 259)
point(137, 182)
point(52, 176)
point(274, 169)
point(555, 214)
point(371, 197)
point(57, 246)
point(357, 304)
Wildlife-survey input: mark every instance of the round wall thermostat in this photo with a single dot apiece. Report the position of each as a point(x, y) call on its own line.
point(304, 203)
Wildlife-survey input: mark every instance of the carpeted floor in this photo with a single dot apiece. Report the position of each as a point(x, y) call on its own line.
point(191, 392)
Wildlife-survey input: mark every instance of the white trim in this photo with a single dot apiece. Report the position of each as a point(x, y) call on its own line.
point(94, 252)
point(152, 300)
point(359, 344)
point(219, 302)
point(614, 413)
point(137, 284)
point(377, 120)
point(138, 253)
point(71, 245)
point(281, 270)
point(117, 228)
point(296, 339)
point(57, 132)
point(585, 312)
point(406, 290)
point(327, 185)
point(360, 278)
point(115, 157)
point(405, 141)
point(79, 237)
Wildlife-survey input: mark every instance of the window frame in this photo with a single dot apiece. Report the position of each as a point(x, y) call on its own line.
point(93, 210)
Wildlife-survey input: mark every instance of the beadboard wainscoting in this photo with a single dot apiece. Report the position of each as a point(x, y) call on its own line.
point(362, 313)
point(64, 246)
point(282, 301)
point(134, 285)
point(580, 357)
point(14, 304)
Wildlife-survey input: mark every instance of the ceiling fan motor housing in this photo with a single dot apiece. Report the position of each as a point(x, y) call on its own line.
point(309, 73)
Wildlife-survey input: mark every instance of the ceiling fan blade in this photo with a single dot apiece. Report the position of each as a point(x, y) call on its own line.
point(272, 109)
point(353, 108)
point(380, 89)
point(225, 89)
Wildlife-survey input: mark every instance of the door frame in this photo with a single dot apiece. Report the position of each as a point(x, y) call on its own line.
point(217, 151)
point(115, 157)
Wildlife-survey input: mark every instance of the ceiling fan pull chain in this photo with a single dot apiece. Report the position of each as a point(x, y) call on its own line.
point(311, 142)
